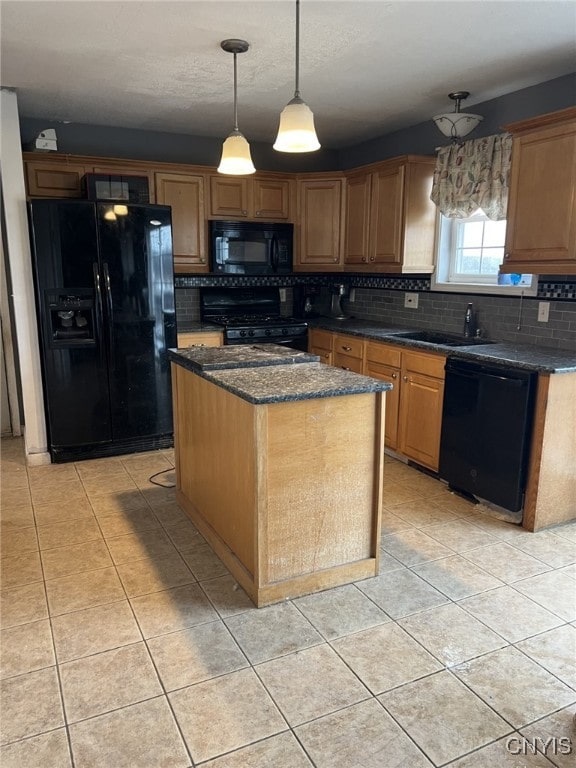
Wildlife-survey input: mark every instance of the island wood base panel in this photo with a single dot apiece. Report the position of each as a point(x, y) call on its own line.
point(287, 494)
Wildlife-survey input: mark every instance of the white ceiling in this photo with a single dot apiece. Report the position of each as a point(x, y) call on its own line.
point(367, 67)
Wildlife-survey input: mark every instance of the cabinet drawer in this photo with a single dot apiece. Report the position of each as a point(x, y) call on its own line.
point(200, 339)
point(349, 345)
point(384, 354)
point(429, 365)
point(325, 355)
point(347, 362)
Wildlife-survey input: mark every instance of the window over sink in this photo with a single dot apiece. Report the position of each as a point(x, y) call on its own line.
point(469, 252)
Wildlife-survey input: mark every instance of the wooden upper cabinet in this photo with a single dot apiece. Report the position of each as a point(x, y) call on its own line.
point(357, 219)
point(185, 194)
point(229, 196)
point(320, 222)
point(257, 197)
point(541, 222)
point(390, 219)
point(57, 179)
point(386, 217)
point(271, 198)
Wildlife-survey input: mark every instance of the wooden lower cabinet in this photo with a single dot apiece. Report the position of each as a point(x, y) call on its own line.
point(321, 343)
point(200, 339)
point(420, 412)
point(413, 405)
point(384, 362)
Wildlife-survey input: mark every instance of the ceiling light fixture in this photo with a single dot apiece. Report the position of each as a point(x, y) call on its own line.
point(296, 132)
point(455, 125)
point(236, 159)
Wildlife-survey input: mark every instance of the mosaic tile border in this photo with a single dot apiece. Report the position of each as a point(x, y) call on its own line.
point(555, 288)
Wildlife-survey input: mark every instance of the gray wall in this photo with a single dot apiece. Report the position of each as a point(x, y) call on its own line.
point(422, 139)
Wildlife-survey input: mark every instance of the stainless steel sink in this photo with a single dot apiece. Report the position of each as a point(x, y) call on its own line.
point(438, 337)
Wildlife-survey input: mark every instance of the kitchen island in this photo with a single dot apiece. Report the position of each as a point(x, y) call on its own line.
point(280, 468)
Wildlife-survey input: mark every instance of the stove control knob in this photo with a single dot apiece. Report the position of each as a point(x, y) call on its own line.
point(284, 331)
point(250, 333)
point(268, 332)
point(242, 333)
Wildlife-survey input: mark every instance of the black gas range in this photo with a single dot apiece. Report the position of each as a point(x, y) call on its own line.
point(252, 315)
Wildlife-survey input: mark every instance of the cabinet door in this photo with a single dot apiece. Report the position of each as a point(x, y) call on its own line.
point(229, 197)
point(357, 219)
point(320, 212)
point(383, 362)
point(127, 170)
point(271, 199)
point(421, 418)
point(54, 179)
point(185, 194)
point(541, 226)
point(386, 216)
point(392, 376)
point(321, 343)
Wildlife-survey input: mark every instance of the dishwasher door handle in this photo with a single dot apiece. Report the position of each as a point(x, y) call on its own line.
point(476, 376)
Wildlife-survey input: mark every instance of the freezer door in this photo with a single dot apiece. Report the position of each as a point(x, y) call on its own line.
point(138, 290)
point(65, 260)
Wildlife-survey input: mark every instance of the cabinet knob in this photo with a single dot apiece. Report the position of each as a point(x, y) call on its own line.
point(346, 349)
point(244, 213)
point(202, 261)
point(506, 256)
point(372, 258)
point(364, 258)
point(335, 259)
point(257, 213)
point(345, 367)
point(404, 378)
point(394, 375)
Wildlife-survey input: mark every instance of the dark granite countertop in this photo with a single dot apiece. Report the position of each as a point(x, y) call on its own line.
point(526, 356)
point(239, 356)
point(284, 383)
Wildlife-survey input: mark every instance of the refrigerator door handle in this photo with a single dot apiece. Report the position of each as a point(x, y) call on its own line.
point(108, 304)
point(98, 306)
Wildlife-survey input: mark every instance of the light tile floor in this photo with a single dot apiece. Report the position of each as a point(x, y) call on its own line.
point(125, 643)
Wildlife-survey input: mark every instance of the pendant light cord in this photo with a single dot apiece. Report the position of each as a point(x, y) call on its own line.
point(235, 94)
point(297, 84)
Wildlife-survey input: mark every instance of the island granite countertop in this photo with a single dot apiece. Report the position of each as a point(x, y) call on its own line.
point(238, 356)
point(284, 383)
point(526, 356)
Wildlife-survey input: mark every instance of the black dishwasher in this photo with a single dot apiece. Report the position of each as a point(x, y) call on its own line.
point(486, 429)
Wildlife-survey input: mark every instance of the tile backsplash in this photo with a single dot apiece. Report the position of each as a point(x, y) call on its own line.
point(381, 298)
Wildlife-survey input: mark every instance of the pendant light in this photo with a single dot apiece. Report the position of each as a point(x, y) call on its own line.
point(296, 132)
point(236, 159)
point(455, 125)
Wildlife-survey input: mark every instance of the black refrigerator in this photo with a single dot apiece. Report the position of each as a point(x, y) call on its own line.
point(105, 301)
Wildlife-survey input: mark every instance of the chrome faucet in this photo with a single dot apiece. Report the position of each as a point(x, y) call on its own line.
point(469, 322)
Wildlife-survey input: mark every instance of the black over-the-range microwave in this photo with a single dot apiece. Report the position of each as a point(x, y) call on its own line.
point(251, 247)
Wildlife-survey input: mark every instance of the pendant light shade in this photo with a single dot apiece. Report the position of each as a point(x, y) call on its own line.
point(296, 132)
point(455, 125)
point(236, 159)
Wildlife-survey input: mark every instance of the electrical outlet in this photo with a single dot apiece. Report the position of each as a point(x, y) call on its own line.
point(411, 300)
point(543, 311)
point(282, 294)
point(352, 294)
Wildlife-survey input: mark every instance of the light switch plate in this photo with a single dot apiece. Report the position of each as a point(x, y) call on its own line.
point(411, 300)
